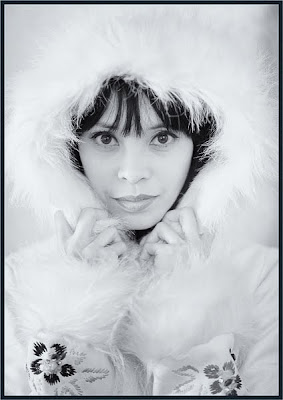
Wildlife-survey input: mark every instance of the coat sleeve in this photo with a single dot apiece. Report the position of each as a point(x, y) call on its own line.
point(261, 366)
point(63, 314)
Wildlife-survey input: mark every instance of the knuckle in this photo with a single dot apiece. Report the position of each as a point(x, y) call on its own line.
point(187, 213)
point(87, 212)
point(160, 225)
point(171, 215)
point(100, 212)
point(171, 212)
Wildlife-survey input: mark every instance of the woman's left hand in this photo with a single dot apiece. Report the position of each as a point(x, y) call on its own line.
point(178, 230)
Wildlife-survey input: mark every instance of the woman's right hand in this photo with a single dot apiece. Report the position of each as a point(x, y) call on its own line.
point(82, 242)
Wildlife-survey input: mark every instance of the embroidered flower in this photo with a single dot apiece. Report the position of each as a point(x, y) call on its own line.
point(227, 382)
point(50, 362)
point(187, 371)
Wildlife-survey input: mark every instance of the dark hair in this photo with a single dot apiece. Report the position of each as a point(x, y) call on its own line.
point(174, 115)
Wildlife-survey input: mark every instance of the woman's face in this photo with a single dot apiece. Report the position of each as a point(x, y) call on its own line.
point(137, 178)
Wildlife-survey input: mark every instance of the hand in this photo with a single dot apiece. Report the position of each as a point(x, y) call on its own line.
point(82, 242)
point(177, 231)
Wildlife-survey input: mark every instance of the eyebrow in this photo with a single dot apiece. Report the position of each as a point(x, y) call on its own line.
point(101, 125)
point(110, 126)
point(158, 126)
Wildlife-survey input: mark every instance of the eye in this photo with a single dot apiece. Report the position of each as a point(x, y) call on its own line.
point(163, 138)
point(104, 139)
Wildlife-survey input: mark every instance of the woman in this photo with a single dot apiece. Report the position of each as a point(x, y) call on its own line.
point(143, 139)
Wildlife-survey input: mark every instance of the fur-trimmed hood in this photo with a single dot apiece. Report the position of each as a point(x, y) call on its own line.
point(212, 57)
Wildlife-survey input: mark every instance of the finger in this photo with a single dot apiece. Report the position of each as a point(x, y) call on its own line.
point(189, 224)
point(108, 236)
point(63, 229)
point(103, 239)
point(119, 248)
point(84, 233)
point(148, 251)
point(164, 232)
point(154, 249)
point(176, 227)
point(171, 216)
point(92, 251)
point(144, 239)
point(172, 219)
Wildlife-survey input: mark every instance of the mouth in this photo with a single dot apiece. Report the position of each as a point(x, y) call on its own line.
point(135, 203)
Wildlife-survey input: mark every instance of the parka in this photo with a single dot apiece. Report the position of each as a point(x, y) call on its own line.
point(205, 323)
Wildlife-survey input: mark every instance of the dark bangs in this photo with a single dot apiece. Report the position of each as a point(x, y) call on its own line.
point(174, 117)
point(128, 95)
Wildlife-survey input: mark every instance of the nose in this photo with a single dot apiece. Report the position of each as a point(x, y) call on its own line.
point(133, 167)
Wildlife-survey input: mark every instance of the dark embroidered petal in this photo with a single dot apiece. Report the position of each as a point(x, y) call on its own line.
point(229, 366)
point(39, 348)
point(215, 387)
point(232, 355)
point(232, 393)
point(52, 379)
point(228, 382)
point(35, 366)
point(67, 370)
point(211, 371)
point(238, 381)
point(60, 350)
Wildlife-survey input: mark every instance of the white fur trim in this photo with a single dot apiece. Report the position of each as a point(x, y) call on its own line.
point(50, 292)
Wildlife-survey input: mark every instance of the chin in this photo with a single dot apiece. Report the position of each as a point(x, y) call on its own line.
point(141, 222)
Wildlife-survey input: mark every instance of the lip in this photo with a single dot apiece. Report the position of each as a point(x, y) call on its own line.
point(135, 203)
point(138, 198)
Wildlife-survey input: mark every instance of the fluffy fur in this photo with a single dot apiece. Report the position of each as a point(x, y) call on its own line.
point(214, 60)
point(189, 302)
point(50, 292)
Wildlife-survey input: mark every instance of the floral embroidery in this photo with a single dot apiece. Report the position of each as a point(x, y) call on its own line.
point(183, 370)
point(65, 391)
point(50, 362)
point(77, 387)
point(232, 355)
point(227, 381)
point(53, 362)
point(186, 386)
point(100, 373)
point(79, 356)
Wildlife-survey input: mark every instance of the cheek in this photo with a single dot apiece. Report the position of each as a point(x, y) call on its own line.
point(98, 171)
point(175, 169)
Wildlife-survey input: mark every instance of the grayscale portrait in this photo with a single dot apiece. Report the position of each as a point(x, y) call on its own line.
point(141, 193)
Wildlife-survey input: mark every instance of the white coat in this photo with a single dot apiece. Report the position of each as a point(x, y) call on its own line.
point(204, 324)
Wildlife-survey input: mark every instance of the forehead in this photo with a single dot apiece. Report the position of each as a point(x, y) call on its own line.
point(148, 116)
